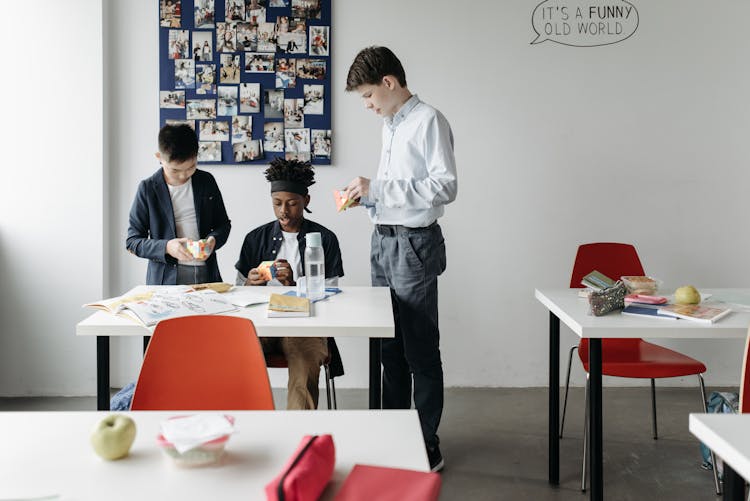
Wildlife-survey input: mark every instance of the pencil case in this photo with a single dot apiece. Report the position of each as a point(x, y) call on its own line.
point(610, 299)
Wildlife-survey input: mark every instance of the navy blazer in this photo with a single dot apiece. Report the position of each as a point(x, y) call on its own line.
point(152, 225)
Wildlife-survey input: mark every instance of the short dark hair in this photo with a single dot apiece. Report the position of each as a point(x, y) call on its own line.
point(371, 65)
point(281, 169)
point(178, 142)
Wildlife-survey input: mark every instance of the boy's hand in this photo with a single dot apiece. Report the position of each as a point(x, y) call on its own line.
point(176, 248)
point(210, 244)
point(284, 272)
point(253, 278)
point(358, 188)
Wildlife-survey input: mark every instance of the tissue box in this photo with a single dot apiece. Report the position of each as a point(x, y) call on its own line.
point(198, 248)
point(207, 453)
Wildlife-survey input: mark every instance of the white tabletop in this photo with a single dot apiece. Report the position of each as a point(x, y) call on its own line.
point(49, 453)
point(728, 435)
point(355, 312)
point(573, 312)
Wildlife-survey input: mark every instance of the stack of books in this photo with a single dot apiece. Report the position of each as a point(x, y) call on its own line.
point(282, 305)
point(693, 312)
point(597, 281)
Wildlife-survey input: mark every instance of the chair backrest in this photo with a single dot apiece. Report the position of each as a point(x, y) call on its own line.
point(745, 381)
point(207, 362)
point(613, 260)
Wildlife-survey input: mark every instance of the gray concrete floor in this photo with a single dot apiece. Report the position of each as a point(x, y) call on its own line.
point(494, 441)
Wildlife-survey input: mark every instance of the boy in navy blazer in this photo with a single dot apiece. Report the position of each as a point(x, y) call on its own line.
point(176, 204)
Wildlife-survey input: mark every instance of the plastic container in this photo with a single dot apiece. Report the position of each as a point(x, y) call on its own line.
point(205, 454)
point(315, 272)
point(641, 285)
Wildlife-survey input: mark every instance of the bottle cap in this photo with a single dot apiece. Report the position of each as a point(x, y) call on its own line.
point(313, 239)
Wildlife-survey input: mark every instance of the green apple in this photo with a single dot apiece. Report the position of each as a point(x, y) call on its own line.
point(687, 294)
point(112, 437)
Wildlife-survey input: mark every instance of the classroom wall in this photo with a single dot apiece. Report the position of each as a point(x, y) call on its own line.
point(641, 141)
point(51, 198)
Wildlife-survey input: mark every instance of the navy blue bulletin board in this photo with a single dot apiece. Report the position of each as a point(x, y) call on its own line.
point(214, 90)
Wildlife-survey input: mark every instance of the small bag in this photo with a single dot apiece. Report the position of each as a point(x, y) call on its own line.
point(612, 298)
point(389, 484)
point(306, 473)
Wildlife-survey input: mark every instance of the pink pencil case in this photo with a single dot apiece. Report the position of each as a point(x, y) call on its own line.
point(645, 299)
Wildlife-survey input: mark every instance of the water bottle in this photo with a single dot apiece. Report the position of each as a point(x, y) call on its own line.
point(315, 268)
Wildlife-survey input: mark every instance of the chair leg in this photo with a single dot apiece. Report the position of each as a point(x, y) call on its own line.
point(333, 389)
point(653, 408)
point(717, 486)
point(567, 384)
point(585, 434)
point(328, 385)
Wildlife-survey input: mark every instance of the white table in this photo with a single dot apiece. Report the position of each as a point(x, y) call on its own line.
point(565, 305)
point(49, 453)
point(728, 435)
point(355, 312)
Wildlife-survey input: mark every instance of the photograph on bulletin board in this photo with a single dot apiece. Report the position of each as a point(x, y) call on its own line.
point(252, 77)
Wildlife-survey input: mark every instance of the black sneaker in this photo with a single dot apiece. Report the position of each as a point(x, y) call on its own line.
point(435, 458)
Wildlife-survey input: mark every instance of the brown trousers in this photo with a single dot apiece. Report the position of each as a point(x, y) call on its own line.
point(304, 355)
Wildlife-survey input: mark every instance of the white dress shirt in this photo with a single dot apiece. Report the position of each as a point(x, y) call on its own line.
point(417, 172)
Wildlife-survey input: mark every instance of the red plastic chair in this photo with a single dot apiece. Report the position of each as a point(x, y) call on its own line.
point(745, 381)
point(207, 362)
point(630, 358)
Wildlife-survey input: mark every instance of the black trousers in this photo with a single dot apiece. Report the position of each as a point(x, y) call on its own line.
point(409, 260)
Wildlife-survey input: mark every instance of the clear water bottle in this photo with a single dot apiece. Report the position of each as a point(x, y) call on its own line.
point(315, 267)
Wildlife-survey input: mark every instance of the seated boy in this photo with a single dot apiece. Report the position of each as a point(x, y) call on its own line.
point(283, 241)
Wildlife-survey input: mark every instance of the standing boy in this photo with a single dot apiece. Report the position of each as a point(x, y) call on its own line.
point(176, 204)
point(283, 242)
point(416, 178)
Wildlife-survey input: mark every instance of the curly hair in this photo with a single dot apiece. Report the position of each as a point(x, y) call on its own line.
point(290, 170)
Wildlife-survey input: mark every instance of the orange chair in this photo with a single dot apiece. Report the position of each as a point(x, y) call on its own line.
point(630, 358)
point(745, 381)
point(207, 362)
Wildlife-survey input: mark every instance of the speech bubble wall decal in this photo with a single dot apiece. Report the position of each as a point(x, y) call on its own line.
point(584, 23)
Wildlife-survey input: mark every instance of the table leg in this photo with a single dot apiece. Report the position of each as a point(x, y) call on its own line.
point(734, 485)
point(146, 339)
point(554, 399)
point(102, 373)
point(375, 374)
point(595, 420)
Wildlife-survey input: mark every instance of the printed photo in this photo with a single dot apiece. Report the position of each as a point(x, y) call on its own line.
point(291, 43)
point(214, 130)
point(209, 151)
point(247, 37)
point(184, 74)
point(227, 100)
point(201, 109)
point(247, 151)
point(319, 40)
point(250, 98)
point(242, 129)
point(230, 69)
point(313, 99)
point(172, 99)
point(301, 156)
point(321, 140)
point(278, 3)
point(255, 11)
point(179, 44)
point(226, 37)
point(286, 73)
point(258, 62)
point(293, 113)
point(190, 123)
point(205, 79)
point(170, 12)
point(306, 8)
point(203, 46)
point(282, 24)
point(273, 136)
point(235, 10)
point(205, 13)
point(297, 140)
point(266, 37)
point(273, 103)
point(312, 69)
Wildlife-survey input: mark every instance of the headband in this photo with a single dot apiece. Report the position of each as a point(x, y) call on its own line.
point(290, 186)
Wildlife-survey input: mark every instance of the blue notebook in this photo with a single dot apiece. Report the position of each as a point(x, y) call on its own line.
point(645, 311)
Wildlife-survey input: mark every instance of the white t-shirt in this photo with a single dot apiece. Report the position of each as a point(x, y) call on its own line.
point(290, 251)
point(186, 224)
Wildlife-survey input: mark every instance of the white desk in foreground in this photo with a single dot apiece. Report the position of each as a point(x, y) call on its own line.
point(355, 312)
point(49, 453)
point(728, 435)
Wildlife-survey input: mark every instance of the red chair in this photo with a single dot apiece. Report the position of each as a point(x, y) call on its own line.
point(745, 381)
point(630, 358)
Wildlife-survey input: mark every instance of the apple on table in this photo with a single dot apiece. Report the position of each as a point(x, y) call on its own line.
point(113, 436)
point(687, 294)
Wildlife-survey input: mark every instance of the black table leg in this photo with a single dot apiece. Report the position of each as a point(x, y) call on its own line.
point(102, 373)
point(554, 399)
point(734, 485)
point(595, 420)
point(146, 339)
point(375, 374)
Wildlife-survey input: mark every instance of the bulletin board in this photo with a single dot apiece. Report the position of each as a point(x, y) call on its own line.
point(252, 77)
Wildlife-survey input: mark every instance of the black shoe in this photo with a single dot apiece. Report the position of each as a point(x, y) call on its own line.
point(435, 458)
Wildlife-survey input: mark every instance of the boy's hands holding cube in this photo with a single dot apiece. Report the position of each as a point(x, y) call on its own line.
point(280, 269)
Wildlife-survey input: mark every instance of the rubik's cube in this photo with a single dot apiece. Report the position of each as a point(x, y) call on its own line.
point(198, 248)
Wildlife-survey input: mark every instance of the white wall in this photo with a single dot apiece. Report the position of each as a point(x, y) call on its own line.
point(641, 141)
point(51, 218)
